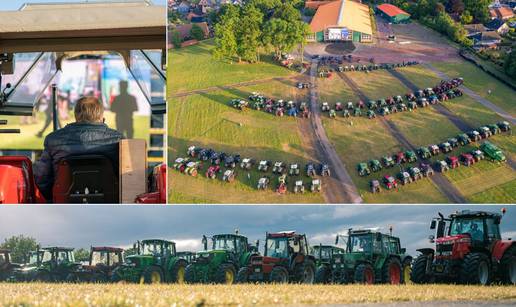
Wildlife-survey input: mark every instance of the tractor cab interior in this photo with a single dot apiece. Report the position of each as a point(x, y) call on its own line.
point(32, 59)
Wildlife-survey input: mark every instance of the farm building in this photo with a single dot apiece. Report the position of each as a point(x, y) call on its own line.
point(393, 13)
point(343, 20)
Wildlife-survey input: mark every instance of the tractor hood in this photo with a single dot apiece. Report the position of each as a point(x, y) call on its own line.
point(452, 247)
point(258, 260)
point(138, 260)
point(462, 238)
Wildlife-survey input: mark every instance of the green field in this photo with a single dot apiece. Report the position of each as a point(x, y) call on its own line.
point(36, 294)
point(28, 140)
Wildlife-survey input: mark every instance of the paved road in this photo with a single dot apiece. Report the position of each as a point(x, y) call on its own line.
point(340, 187)
point(442, 183)
point(486, 103)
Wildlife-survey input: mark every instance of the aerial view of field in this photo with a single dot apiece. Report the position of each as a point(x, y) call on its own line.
point(205, 113)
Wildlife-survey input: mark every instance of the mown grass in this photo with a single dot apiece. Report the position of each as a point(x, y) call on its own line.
point(194, 68)
point(28, 140)
point(37, 294)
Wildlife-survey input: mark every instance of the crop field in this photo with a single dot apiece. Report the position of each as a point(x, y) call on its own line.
point(32, 294)
point(27, 139)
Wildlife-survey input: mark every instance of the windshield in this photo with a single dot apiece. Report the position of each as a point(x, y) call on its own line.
point(473, 226)
point(224, 243)
point(360, 243)
point(65, 256)
point(277, 248)
point(148, 75)
point(47, 256)
point(325, 252)
point(2, 259)
point(151, 248)
point(99, 257)
point(33, 258)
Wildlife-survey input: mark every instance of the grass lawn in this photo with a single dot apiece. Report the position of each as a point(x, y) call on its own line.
point(378, 84)
point(207, 120)
point(480, 82)
point(493, 195)
point(334, 90)
point(187, 74)
point(28, 140)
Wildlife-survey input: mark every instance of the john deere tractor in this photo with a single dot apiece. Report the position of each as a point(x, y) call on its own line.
point(221, 262)
point(370, 257)
point(156, 261)
point(286, 259)
point(6, 266)
point(323, 261)
point(468, 249)
point(57, 264)
point(28, 270)
point(103, 261)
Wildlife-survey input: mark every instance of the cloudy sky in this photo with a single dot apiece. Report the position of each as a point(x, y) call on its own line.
point(83, 226)
point(14, 5)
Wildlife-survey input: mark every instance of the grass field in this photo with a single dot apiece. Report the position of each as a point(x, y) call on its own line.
point(241, 295)
point(206, 72)
point(28, 140)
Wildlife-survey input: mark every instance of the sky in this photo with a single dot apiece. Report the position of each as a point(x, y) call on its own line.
point(87, 225)
point(10, 5)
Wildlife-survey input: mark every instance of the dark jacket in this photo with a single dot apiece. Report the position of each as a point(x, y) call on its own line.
point(72, 140)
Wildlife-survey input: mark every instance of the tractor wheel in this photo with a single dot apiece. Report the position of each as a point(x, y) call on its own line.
point(305, 272)
point(43, 276)
point(391, 271)
point(364, 274)
point(508, 266)
point(242, 275)
point(418, 274)
point(72, 278)
point(152, 275)
point(339, 277)
point(279, 275)
point(475, 269)
point(115, 278)
point(190, 274)
point(98, 278)
point(178, 272)
point(225, 274)
point(406, 270)
point(322, 275)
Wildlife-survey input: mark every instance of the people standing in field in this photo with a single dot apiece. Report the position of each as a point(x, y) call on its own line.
point(124, 105)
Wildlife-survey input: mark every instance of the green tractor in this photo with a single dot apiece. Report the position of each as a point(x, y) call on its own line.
point(371, 257)
point(156, 261)
point(492, 152)
point(6, 266)
point(28, 270)
point(187, 255)
point(375, 165)
point(57, 264)
point(410, 156)
point(220, 264)
point(324, 255)
point(363, 169)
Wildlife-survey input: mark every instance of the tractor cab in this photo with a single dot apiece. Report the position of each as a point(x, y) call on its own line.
point(27, 271)
point(56, 264)
point(325, 253)
point(187, 255)
point(286, 258)
point(67, 51)
point(468, 249)
point(103, 261)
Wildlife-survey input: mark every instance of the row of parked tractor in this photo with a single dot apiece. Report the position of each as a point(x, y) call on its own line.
point(426, 167)
point(444, 91)
point(468, 249)
point(326, 71)
point(278, 107)
point(193, 163)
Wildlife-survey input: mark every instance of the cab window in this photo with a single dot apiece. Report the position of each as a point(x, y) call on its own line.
point(493, 231)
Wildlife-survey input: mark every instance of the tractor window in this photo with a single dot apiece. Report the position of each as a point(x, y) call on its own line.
point(294, 248)
point(394, 246)
point(242, 245)
point(472, 226)
point(360, 243)
point(33, 258)
point(325, 253)
point(492, 229)
point(62, 256)
point(224, 243)
point(100, 257)
point(115, 259)
point(47, 256)
point(151, 248)
point(277, 248)
point(2, 259)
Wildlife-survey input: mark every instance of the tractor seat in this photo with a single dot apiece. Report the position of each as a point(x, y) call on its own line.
point(86, 179)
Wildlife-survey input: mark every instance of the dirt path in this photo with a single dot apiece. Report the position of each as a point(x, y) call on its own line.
point(339, 188)
point(486, 103)
point(441, 182)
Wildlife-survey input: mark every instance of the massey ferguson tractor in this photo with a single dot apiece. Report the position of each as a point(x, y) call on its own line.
point(286, 259)
point(156, 261)
point(103, 261)
point(220, 264)
point(468, 250)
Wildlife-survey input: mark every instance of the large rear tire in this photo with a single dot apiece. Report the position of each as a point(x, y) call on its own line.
point(225, 274)
point(339, 276)
point(323, 275)
point(305, 272)
point(242, 275)
point(152, 275)
point(364, 274)
point(475, 269)
point(406, 270)
point(508, 266)
point(418, 274)
point(279, 275)
point(43, 276)
point(178, 272)
point(190, 274)
point(391, 271)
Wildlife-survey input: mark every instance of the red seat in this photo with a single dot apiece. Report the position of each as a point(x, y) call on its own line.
point(17, 184)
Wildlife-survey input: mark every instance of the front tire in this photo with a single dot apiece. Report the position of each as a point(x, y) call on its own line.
point(242, 275)
point(152, 275)
point(364, 274)
point(391, 271)
point(322, 275)
point(178, 272)
point(406, 270)
point(508, 266)
point(190, 274)
point(225, 274)
point(418, 274)
point(475, 269)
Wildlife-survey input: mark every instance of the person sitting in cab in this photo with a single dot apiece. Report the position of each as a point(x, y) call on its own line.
point(88, 135)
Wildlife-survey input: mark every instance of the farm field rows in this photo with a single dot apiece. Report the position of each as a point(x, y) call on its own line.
point(241, 295)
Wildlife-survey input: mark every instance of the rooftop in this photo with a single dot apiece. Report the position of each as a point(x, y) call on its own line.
point(343, 13)
point(391, 10)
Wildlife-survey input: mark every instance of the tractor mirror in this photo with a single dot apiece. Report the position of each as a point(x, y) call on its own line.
point(134, 246)
point(432, 225)
point(257, 243)
point(337, 240)
point(205, 242)
point(440, 229)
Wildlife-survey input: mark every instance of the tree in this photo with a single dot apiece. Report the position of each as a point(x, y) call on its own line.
point(510, 64)
point(284, 30)
point(466, 17)
point(175, 38)
point(197, 33)
point(81, 254)
point(249, 33)
point(479, 9)
point(20, 246)
point(456, 6)
point(225, 33)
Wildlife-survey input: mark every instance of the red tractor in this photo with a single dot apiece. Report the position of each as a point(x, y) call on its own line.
point(468, 249)
point(286, 259)
point(213, 171)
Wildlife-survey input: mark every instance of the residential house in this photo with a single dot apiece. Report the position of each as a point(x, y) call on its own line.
point(183, 7)
point(474, 30)
point(184, 30)
point(502, 12)
point(498, 25)
point(488, 40)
